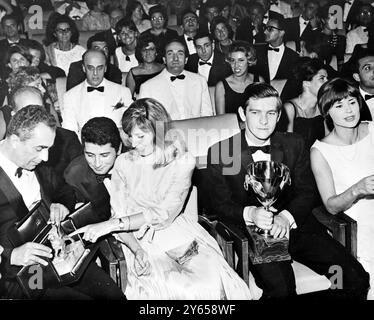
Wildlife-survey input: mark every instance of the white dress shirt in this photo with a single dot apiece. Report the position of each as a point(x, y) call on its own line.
point(347, 8)
point(358, 35)
point(303, 24)
point(369, 102)
point(123, 64)
point(190, 45)
point(261, 156)
point(204, 69)
point(27, 185)
point(274, 59)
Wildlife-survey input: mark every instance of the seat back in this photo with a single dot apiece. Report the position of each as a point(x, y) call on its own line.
point(201, 133)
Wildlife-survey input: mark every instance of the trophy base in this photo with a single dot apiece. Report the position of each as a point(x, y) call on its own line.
point(266, 250)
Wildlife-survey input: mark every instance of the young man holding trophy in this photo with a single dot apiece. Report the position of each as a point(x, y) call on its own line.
point(251, 170)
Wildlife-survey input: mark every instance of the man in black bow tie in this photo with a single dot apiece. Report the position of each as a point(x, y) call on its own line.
point(184, 94)
point(94, 97)
point(275, 64)
point(309, 242)
point(209, 63)
point(363, 74)
point(190, 27)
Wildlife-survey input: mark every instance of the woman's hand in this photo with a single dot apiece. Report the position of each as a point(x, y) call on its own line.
point(94, 231)
point(141, 263)
point(364, 187)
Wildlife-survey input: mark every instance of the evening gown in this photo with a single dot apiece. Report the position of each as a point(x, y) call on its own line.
point(139, 79)
point(160, 194)
point(310, 129)
point(349, 164)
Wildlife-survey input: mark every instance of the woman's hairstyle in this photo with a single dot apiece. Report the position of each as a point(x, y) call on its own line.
point(143, 42)
point(53, 20)
point(305, 69)
point(101, 131)
point(261, 90)
point(22, 77)
point(132, 6)
point(22, 50)
point(150, 116)
point(36, 45)
point(216, 21)
point(245, 47)
point(125, 22)
point(335, 90)
point(159, 9)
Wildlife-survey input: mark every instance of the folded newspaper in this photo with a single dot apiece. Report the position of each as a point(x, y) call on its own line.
point(184, 252)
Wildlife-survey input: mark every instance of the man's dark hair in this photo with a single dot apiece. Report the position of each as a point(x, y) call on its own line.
point(357, 56)
point(9, 17)
point(189, 11)
point(280, 21)
point(126, 22)
point(101, 131)
point(98, 37)
point(174, 40)
point(26, 119)
point(261, 90)
point(202, 34)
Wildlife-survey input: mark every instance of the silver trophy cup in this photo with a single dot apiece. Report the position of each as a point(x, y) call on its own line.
point(267, 179)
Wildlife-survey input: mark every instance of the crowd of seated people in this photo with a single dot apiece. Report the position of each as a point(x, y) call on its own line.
point(92, 122)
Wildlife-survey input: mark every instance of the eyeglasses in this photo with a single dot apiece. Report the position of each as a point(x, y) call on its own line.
point(190, 19)
point(67, 30)
point(271, 28)
point(157, 18)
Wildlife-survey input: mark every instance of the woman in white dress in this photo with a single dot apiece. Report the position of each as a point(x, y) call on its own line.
point(343, 165)
point(148, 189)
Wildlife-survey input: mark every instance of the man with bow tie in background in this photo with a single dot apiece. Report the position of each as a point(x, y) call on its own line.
point(363, 73)
point(274, 59)
point(190, 27)
point(309, 242)
point(184, 94)
point(94, 97)
point(209, 63)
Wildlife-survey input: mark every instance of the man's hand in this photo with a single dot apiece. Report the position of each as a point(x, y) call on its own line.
point(58, 213)
point(141, 263)
point(262, 218)
point(281, 227)
point(30, 253)
point(94, 231)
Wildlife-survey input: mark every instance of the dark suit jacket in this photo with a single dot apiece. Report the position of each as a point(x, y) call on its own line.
point(293, 32)
point(220, 68)
point(289, 59)
point(13, 209)
point(81, 177)
point(244, 32)
point(227, 163)
point(76, 74)
point(66, 147)
point(111, 42)
point(365, 111)
point(54, 72)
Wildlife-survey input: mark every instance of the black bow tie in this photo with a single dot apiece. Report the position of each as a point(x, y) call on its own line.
point(273, 49)
point(369, 96)
point(127, 58)
point(201, 63)
point(265, 17)
point(100, 177)
point(189, 39)
point(306, 22)
point(274, 2)
point(18, 173)
point(90, 89)
point(365, 29)
point(264, 149)
point(181, 77)
point(349, 2)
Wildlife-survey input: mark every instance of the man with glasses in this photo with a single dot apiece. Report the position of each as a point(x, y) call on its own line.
point(76, 73)
point(274, 59)
point(190, 27)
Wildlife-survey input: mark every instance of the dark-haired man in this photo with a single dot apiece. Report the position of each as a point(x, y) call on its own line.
point(190, 27)
point(309, 243)
point(76, 71)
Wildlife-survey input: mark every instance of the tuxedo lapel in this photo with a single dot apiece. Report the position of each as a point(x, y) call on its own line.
point(11, 193)
point(246, 156)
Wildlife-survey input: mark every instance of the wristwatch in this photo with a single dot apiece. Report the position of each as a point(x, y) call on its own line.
point(121, 224)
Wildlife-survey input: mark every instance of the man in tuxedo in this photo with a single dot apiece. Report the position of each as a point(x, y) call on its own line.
point(190, 27)
point(274, 59)
point(24, 182)
point(184, 94)
point(94, 97)
point(209, 63)
point(363, 74)
point(66, 145)
point(76, 71)
point(10, 25)
point(309, 243)
point(302, 27)
point(110, 35)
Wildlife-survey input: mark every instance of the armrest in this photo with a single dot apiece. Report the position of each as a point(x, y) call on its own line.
point(241, 248)
point(220, 234)
point(341, 227)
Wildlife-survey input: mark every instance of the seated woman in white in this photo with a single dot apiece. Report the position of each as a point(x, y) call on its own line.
point(148, 189)
point(343, 164)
